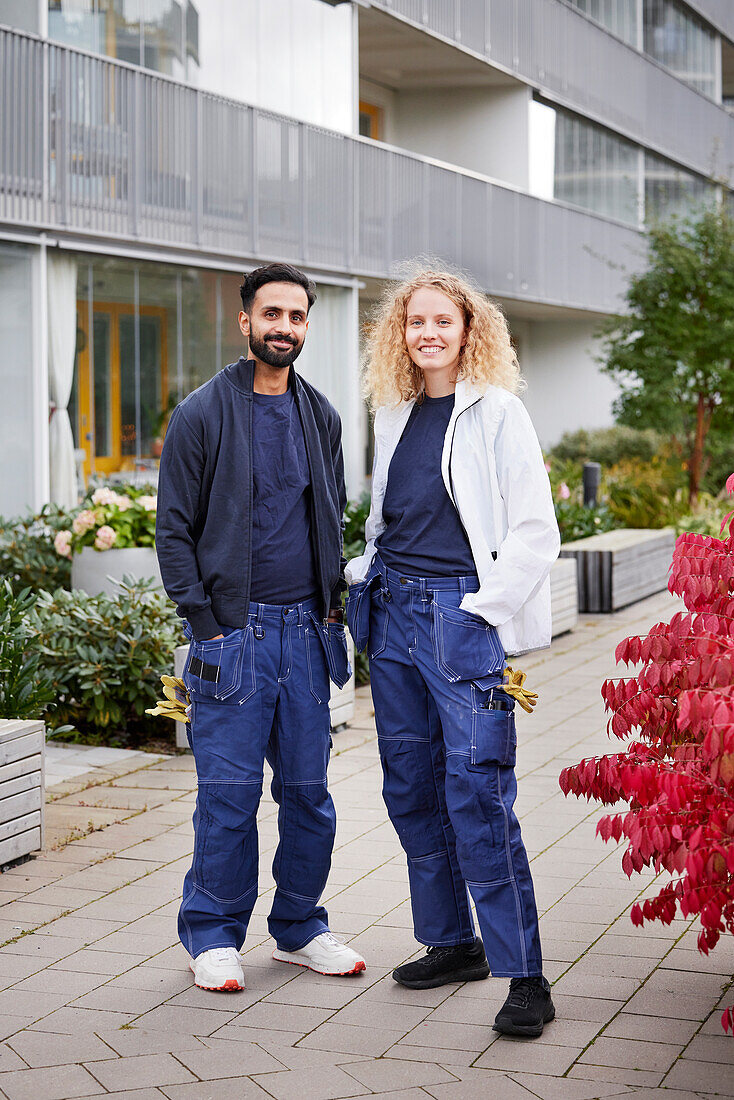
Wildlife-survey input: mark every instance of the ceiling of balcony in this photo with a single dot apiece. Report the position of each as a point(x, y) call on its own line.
point(400, 56)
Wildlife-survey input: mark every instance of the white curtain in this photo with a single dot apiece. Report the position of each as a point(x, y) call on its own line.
point(329, 361)
point(61, 355)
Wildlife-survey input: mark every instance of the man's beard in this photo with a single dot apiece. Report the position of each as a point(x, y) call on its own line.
point(268, 354)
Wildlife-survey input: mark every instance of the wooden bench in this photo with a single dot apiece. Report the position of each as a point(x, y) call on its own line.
point(618, 568)
point(22, 746)
point(564, 596)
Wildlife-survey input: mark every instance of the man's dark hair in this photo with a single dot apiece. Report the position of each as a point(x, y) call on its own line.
point(274, 273)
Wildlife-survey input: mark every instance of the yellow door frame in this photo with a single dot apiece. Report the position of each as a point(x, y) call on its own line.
point(107, 464)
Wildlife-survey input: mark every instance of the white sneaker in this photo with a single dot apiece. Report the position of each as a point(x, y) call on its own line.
point(218, 969)
point(325, 954)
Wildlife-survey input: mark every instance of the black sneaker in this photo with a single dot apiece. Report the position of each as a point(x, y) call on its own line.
point(465, 962)
point(527, 1008)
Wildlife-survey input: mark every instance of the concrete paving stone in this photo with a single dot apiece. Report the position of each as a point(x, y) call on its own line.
point(635, 1078)
point(563, 1088)
point(596, 986)
point(9, 1060)
point(140, 1071)
point(631, 1054)
point(134, 1094)
point(118, 797)
point(61, 895)
point(277, 1017)
point(11, 1025)
point(114, 998)
point(383, 1074)
point(212, 1090)
point(57, 1083)
point(88, 929)
point(89, 961)
point(223, 1058)
point(352, 1039)
point(80, 1021)
point(191, 1021)
point(712, 1048)
point(29, 1002)
point(193, 997)
point(126, 942)
point(45, 948)
point(260, 1035)
point(448, 1058)
point(479, 1085)
point(17, 967)
point(326, 1083)
point(594, 967)
point(302, 992)
point(132, 1040)
point(715, 1077)
point(380, 1014)
point(628, 1025)
point(441, 1035)
point(510, 1054)
point(43, 1049)
point(627, 946)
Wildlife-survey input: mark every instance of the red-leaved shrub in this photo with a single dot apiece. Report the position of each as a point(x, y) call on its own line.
point(677, 773)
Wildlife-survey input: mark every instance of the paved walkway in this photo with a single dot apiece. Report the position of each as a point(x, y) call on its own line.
point(97, 998)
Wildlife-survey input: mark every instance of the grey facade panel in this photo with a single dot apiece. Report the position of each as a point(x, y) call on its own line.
point(133, 157)
point(719, 13)
point(580, 65)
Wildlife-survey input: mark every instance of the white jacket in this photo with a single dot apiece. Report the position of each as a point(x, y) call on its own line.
point(493, 471)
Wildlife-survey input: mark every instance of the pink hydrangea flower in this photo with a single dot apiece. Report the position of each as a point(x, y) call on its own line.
point(85, 521)
point(122, 502)
point(105, 538)
point(149, 503)
point(104, 496)
point(563, 491)
point(62, 544)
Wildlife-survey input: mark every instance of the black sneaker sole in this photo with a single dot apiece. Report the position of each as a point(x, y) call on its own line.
point(533, 1031)
point(468, 974)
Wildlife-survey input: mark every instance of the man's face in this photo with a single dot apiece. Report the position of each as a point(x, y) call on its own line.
point(277, 323)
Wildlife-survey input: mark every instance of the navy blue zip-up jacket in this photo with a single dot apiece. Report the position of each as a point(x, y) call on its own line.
point(204, 521)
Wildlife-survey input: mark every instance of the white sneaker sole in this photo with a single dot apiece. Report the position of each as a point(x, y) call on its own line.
point(297, 960)
point(231, 985)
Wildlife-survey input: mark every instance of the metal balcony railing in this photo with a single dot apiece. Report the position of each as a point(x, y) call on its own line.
point(575, 62)
point(91, 147)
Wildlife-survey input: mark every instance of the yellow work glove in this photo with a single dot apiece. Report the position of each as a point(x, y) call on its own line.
point(175, 705)
point(512, 683)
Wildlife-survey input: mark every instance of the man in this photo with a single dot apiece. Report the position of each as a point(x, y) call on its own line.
point(249, 539)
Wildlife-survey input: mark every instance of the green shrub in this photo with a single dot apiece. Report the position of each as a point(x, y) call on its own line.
point(608, 445)
point(355, 517)
point(576, 521)
point(707, 518)
point(105, 656)
point(25, 692)
point(652, 494)
point(27, 555)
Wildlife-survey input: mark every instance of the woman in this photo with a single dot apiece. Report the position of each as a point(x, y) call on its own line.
point(461, 537)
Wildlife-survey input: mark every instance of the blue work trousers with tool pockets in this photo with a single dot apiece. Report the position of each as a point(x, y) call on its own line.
point(261, 692)
point(447, 742)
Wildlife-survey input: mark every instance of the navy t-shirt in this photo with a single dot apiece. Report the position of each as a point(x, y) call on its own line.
point(424, 536)
point(283, 566)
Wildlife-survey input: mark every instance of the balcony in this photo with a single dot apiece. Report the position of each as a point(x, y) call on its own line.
point(575, 63)
point(95, 149)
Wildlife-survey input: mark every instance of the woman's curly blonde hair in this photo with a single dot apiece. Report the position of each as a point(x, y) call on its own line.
point(487, 358)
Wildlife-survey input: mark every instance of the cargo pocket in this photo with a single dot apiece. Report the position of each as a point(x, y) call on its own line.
point(358, 611)
point(493, 737)
point(318, 668)
point(214, 669)
point(334, 639)
point(465, 647)
point(379, 619)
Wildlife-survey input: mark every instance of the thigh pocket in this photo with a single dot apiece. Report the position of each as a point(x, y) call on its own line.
point(358, 612)
point(334, 639)
point(222, 669)
point(494, 737)
point(379, 618)
point(465, 647)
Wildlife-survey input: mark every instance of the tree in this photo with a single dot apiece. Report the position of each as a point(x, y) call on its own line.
point(671, 351)
point(677, 776)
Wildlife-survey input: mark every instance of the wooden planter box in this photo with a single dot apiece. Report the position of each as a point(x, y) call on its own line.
point(618, 568)
point(341, 704)
point(22, 747)
point(564, 596)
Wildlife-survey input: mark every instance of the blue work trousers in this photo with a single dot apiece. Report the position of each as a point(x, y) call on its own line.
point(447, 743)
point(261, 692)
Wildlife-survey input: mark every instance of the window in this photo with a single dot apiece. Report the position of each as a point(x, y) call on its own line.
point(671, 191)
point(682, 43)
point(595, 169)
point(618, 16)
point(370, 121)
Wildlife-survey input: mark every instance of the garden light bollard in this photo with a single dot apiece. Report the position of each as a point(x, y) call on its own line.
point(592, 481)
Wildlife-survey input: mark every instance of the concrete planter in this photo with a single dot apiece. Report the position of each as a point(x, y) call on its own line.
point(564, 596)
point(22, 747)
point(617, 568)
point(100, 571)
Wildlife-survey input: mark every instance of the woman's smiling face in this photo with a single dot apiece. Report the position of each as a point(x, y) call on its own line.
point(435, 333)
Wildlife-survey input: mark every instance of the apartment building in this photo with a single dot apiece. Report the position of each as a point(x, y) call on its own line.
point(152, 150)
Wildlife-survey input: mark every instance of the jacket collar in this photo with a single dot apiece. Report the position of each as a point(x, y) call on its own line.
point(241, 375)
